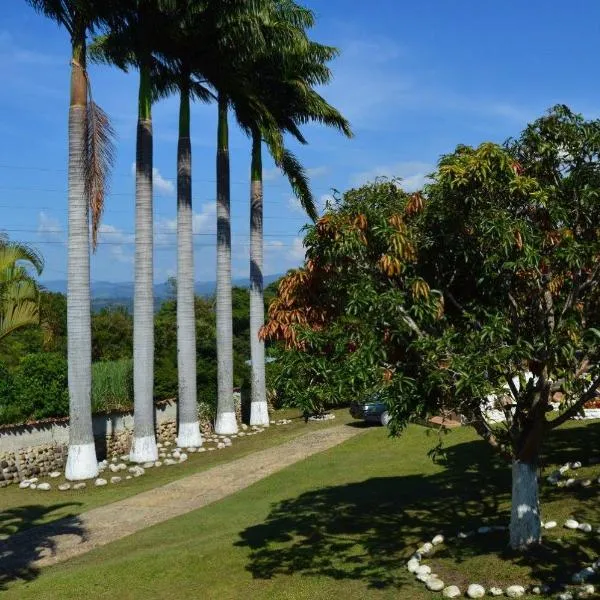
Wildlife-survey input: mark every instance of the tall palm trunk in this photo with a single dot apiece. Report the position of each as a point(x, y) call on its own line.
point(259, 414)
point(144, 441)
point(81, 459)
point(226, 422)
point(189, 429)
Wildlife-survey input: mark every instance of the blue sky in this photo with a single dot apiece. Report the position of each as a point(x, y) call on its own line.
point(415, 79)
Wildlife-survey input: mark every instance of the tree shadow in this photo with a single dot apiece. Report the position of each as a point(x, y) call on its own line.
point(367, 530)
point(24, 541)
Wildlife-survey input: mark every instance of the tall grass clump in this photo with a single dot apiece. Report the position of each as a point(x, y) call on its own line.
point(112, 385)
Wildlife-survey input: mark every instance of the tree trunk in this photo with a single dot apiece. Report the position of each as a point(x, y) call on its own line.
point(525, 524)
point(81, 458)
point(259, 414)
point(226, 422)
point(144, 441)
point(188, 426)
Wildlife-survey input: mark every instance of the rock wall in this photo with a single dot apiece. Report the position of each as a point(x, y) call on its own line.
point(32, 450)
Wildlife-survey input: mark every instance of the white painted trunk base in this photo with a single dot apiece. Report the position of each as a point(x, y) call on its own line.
point(525, 526)
point(144, 449)
point(189, 435)
point(226, 423)
point(81, 462)
point(259, 414)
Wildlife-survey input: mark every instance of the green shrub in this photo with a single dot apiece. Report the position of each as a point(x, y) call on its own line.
point(112, 385)
point(41, 388)
point(9, 409)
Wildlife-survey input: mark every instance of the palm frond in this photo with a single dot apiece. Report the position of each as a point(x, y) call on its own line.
point(98, 161)
point(13, 252)
point(296, 175)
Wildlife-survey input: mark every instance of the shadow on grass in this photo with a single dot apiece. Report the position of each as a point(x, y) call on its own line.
point(23, 541)
point(367, 530)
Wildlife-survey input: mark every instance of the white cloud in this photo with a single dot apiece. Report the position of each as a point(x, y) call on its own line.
point(162, 186)
point(49, 228)
point(412, 173)
point(203, 222)
point(297, 251)
point(118, 242)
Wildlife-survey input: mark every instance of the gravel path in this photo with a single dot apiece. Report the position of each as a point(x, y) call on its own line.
point(49, 544)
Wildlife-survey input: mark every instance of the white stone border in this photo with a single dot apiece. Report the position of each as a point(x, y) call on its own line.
point(424, 574)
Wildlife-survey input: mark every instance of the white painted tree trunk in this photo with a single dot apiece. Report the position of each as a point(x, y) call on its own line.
point(226, 422)
point(259, 413)
point(143, 448)
point(81, 458)
point(188, 434)
point(525, 524)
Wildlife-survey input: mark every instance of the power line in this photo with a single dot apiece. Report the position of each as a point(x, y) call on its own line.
point(102, 233)
point(266, 183)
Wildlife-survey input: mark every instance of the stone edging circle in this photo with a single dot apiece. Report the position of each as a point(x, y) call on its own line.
point(424, 574)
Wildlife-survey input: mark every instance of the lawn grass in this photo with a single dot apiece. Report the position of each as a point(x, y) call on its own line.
point(341, 524)
point(21, 509)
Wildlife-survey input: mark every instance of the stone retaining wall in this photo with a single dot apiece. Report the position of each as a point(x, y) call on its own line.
point(34, 450)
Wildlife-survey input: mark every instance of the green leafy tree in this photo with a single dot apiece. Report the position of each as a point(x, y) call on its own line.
point(483, 291)
point(112, 334)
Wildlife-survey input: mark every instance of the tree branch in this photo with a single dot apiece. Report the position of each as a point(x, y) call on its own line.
point(575, 408)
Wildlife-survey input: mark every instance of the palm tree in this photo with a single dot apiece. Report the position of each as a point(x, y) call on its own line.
point(177, 57)
point(19, 292)
point(90, 158)
point(279, 84)
point(131, 42)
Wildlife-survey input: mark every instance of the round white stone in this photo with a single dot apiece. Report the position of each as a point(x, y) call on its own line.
point(586, 483)
point(424, 577)
point(44, 486)
point(515, 591)
point(438, 539)
point(550, 524)
point(435, 585)
point(571, 524)
point(423, 570)
point(496, 591)
point(79, 486)
point(576, 465)
point(54, 474)
point(570, 482)
point(412, 565)
point(585, 527)
point(475, 591)
point(452, 591)
point(24, 484)
point(426, 548)
point(100, 482)
point(33, 486)
point(158, 463)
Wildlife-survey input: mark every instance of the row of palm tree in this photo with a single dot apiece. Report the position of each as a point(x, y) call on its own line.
point(255, 59)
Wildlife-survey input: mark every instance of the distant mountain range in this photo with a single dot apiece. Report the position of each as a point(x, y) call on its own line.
point(107, 293)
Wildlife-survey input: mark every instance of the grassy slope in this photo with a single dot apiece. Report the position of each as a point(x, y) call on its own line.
point(340, 524)
point(21, 509)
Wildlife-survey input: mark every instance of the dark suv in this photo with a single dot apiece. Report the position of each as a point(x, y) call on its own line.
point(371, 410)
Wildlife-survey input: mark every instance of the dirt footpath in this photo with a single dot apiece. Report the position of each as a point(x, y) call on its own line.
point(58, 541)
